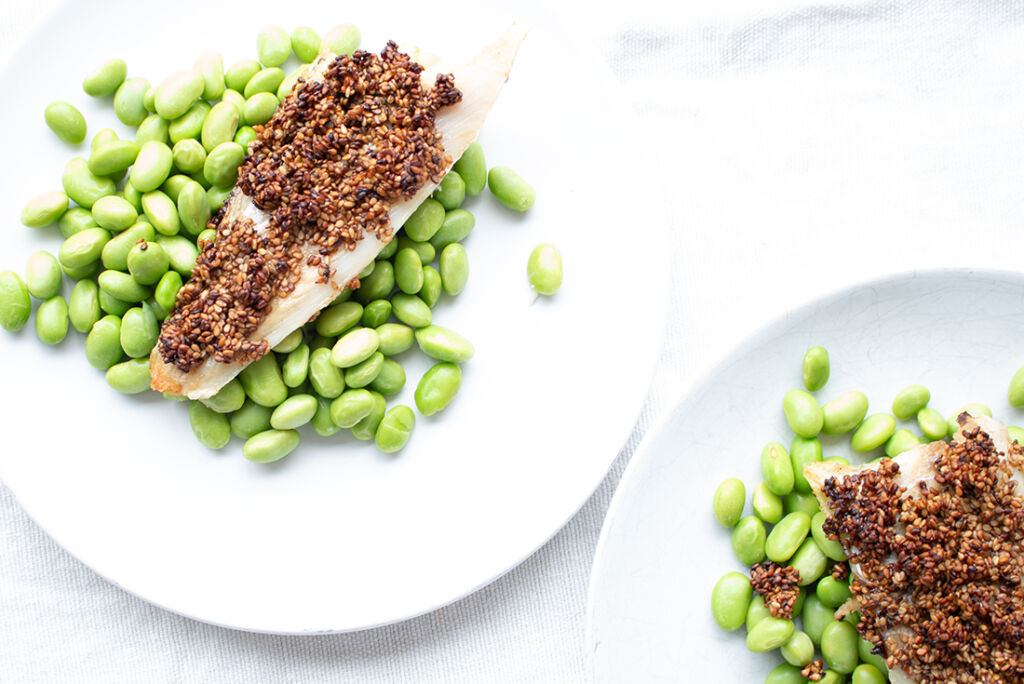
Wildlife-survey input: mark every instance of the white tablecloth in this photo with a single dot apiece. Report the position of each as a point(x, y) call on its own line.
point(802, 147)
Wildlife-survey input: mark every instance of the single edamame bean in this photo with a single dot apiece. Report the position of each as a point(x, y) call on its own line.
point(228, 398)
point(451, 192)
point(149, 100)
point(816, 368)
point(786, 537)
point(77, 219)
point(210, 427)
point(139, 331)
point(408, 271)
point(15, 304)
point(901, 440)
point(769, 634)
point(251, 419)
point(114, 251)
point(130, 101)
point(864, 649)
point(730, 600)
point(364, 372)
point(193, 208)
point(341, 40)
point(395, 429)
point(472, 167)
point(291, 342)
point(270, 445)
point(801, 452)
point(221, 166)
point(909, 401)
point(177, 93)
point(376, 313)
point(326, 378)
point(757, 612)
point(352, 406)
point(425, 250)
point(510, 189)
point(798, 649)
point(767, 505)
point(83, 186)
point(366, 428)
point(83, 248)
point(971, 410)
point(748, 539)
point(105, 79)
point(424, 223)
point(431, 290)
point(454, 269)
point(220, 124)
point(217, 196)
point(263, 81)
point(42, 275)
point(777, 469)
point(544, 269)
point(389, 249)
point(104, 137)
point(66, 122)
point(103, 344)
point(122, 286)
point(830, 547)
point(52, 320)
point(84, 306)
point(809, 562)
point(42, 210)
point(394, 338)
point(844, 413)
point(273, 46)
point(239, 73)
point(259, 108)
point(456, 227)
point(1015, 434)
point(444, 344)
point(336, 319)
point(263, 383)
point(166, 291)
point(727, 504)
point(815, 616)
point(354, 347)
point(190, 124)
point(832, 592)
point(210, 65)
point(803, 413)
point(130, 377)
point(932, 424)
point(112, 305)
point(153, 128)
point(295, 368)
point(839, 647)
point(785, 674)
point(868, 674)
point(795, 501)
point(181, 252)
point(173, 186)
point(152, 166)
point(411, 310)
point(114, 213)
point(1015, 392)
point(439, 385)
point(148, 262)
point(294, 412)
point(322, 422)
point(873, 432)
point(390, 380)
point(113, 157)
point(305, 44)
point(377, 285)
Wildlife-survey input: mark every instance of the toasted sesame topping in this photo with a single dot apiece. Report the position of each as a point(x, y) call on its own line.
point(778, 586)
point(814, 670)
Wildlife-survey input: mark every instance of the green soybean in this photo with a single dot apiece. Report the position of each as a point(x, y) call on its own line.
point(909, 401)
point(376, 313)
point(149, 100)
point(263, 81)
point(287, 85)
point(801, 452)
point(510, 189)
point(451, 192)
point(457, 225)
point(83, 248)
point(389, 249)
point(305, 44)
point(270, 445)
point(259, 108)
point(322, 422)
point(377, 285)
point(190, 124)
point(425, 250)
point(114, 213)
point(438, 387)
point(152, 166)
point(815, 616)
point(273, 45)
point(1015, 434)
point(728, 501)
point(472, 168)
point(766, 504)
point(873, 432)
point(210, 66)
point(408, 271)
point(193, 208)
point(350, 407)
point(44, 209)
point(83, 186)
point(75, 220)
point(844, 413)
point(130, 377)
point(139, 331)
point(816, 368)
point(84, 306)
point(239, 73)
point(177, 93)
point(123, 286)
point(426, 221)
point(803, 413)
point(785, 674)
point(181, 252)
point(43, 275)
point(173, 186)
point(394, 338)
point(220, 125)
point(217, 196)
point(189, 156)
point(1015, 392)
point(798, 649)
point(864, 649)
point(395, 429)
point(795, 501)
point(228, 398)
point(455, 269)
point(730, 600)
point(221, 166)
point(748, 539)
point(263, 383)
point(341, 40)
point(327, 380)
point(133, 196)
point(291, 342)
point(152, 129)
point(786, 537)
point(390, 379)
point(444, 344)
point(832, 592)
point(777, 469)
point(932, 424)
point(295, 368)
point(354, 347)
point(431, 290)
point(411, 310)
point(52, 320)
point(113, 157)
point(809, 561)
point(901, 440)
point(839, 647)
point(210, 427)
point(973, 410)
point(543, 269)
point(114, 251)
point(66, 122)
point(769, 634)
point(104, 137)
point(294, 412)
point(148, 263)
point(336, 319)
point(112, 305)
point(366, 371)
point(251, 419)
point(830, 547)
point(366, 428)
point(868, 674)
point(103, 343)
point(106, 78)
point(15, 304)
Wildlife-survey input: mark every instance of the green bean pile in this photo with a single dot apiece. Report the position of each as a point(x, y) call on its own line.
point(786, 525)
point(134, 217)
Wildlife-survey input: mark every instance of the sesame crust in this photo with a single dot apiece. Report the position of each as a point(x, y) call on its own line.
point(778, 585)
point(327, 168)
point(939, 568)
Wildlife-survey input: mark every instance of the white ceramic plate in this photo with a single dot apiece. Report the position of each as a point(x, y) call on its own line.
point(338, 536)
point(661, 551)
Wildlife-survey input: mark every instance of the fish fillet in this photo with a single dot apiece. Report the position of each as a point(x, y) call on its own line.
point(480, 81)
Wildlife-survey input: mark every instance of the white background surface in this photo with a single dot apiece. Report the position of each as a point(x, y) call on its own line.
point(800, 148)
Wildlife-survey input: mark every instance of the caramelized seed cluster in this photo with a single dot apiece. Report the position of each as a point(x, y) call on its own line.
point(940, 567)
point(329, 165)
point(778, 585)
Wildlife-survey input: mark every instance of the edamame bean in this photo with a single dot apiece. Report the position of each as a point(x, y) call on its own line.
point(795, 501)
point(909, 401)
point(839, 647)
point(104, 137)
point(341, 40)
point(426, 221)
point(544, 269)
point(228, 398)
point(210, 427)
point(451, 192)
point(932, 424)
point(270, 445)
point(177, 93)
point(901, 440)
point(456, 227)
point(1015, 392)
point(123, 286)
point(425, 250)
point(44, 209)
point(112, 305)
point(130, 101)
point(832, 592)
point(730, 600)
point(294, 412)
point(777, 469)
point(152, 129)
point(868, 674)
point(798, 649)
point(152, 166)
point(220, 124)
point(816, 368)
point(1015, 434)
point(748, 539)
point(408, 271)
point(82, 185)
point(263, 81)
point(305, 44)
point(84, 306)
point(103, 344)
point(139, 331)
point(210, 66)
point(133, 196)
point(295, 368)
point(971, 410)
point(786, 537)
point(366, 371)
point(221, 166)
point(472, 167)
point(322, 422)
point(394, 338)
point(105, 79)
point(785, 674)
point(173, 185)
point(149, 101)
point(193, 208)
point(327, 380)
point(510, 189)
point(15, 305)
point(114, 213)
point(377, 285)
point(52, 320)
point(366, 428)
point(77, 219)
point(376, 313)
point(113, 157)
point(239, 73)
point(395, 429)
point(181, 252)
point(130, 377)
point(801, 452)
point(411, 310)
point(190, 124)
point(251, 419)
point(455, 269)
point(260, 108)
point(444, 344)
point(336, 319)
point(114, 251)
point(42, 275)
point(844, 413)
point(873, 432)
point(815, 616)
point(189, 156)
point(769, 634)
point(431, 290)
point(389, 249)
point(288, 84)
point(217, 196)
point(166, 291)
point(390, 380)
point(66, 122)
point(767, 505)
point(809, 562)
point(351, 406)
point(263, 383)
point(803, 413)
point(273, 45)
point(728, 502)
point(830, 547)
point(439, 385)
point(148, 262)
point(83, 248)
point(864, 649)
point(291, 342)
point(354, 347)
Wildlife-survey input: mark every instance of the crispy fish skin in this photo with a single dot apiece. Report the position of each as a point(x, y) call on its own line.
point(480, 81)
